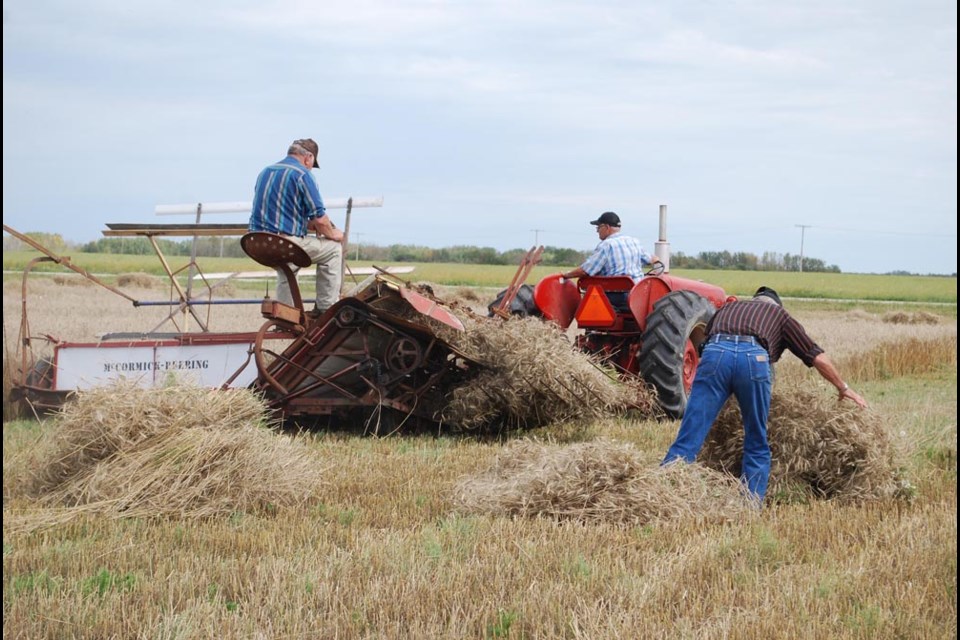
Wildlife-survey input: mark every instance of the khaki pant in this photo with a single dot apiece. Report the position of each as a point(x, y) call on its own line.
point(328, 256)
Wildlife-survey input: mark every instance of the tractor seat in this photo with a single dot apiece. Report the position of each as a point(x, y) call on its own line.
point(278, 252)
point(273, 250)
point(607, 283)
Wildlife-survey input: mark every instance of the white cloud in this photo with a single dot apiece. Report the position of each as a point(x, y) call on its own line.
point(490, 112)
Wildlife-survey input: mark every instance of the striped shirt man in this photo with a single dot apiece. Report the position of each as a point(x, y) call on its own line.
point(285, 199)
point(744, 339)
point(617, 255)
point(770, 324)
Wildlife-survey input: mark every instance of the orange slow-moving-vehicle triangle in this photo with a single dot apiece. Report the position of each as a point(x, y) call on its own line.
point(595, 310)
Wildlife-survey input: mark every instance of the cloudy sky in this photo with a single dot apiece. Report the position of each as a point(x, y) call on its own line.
point(761, 124)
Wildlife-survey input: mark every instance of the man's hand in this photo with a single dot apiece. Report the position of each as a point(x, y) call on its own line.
point(847, 392)
point(324, 228)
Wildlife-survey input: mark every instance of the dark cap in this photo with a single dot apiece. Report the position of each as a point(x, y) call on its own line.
point(309, 145)
point(607, 217)
point(770, 293)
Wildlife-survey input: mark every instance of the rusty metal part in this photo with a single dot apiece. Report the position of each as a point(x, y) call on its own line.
point(260, 354)
point(362, 356)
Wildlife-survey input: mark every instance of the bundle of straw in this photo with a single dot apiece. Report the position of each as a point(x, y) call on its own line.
point(600, 481)
point(534, 376)
point(178, 451)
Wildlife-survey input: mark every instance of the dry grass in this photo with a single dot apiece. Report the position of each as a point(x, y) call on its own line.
point(532, 374)
point(906, 317)
point(10, 373)
point(71, 280)
point(903, 357)
point(847, 333)
point(182, 452)
point(467, 295)
point(599, 481)
point(139, 281)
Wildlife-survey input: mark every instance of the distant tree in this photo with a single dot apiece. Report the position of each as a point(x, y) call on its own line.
point(515, 256)
point(556, 256)
point(135, 246)
point(54, 242)
point(463, 254)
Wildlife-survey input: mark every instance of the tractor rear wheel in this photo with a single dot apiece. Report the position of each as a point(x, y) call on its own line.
point(669, 354)
point(522, 305)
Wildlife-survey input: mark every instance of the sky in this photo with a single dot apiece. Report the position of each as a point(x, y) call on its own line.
point(827, 128)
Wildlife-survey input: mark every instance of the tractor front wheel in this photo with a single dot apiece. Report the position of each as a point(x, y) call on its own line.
point(669, 354)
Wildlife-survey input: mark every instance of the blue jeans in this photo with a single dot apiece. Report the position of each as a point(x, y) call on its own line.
point(740, 368)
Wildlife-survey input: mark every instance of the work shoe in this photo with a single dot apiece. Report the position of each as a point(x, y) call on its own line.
point(315, 313)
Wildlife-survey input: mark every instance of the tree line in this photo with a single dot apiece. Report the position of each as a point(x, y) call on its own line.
point(462, 254)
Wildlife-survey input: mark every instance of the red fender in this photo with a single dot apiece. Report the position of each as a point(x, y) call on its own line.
point(643, 296)
point(557, 298)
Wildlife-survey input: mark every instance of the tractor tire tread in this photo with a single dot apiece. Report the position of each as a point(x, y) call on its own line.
point(669, 326)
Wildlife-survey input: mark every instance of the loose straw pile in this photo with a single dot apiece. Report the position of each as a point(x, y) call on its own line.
point(819, 448)
point(177, 452)
point(599, 481)
point(534, 376)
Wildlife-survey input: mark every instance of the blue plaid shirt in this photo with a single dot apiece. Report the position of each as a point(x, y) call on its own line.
point(285, 199)
point(617, 255)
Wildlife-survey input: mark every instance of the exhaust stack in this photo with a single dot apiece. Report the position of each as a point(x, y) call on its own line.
point(662, 247)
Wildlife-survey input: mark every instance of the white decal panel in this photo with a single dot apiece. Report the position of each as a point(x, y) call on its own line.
point(153, 365)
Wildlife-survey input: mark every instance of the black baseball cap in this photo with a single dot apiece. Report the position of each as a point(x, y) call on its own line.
point(608, 218)
point(768, 292)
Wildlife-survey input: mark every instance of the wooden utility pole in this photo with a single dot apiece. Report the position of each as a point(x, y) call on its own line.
point(803, 229)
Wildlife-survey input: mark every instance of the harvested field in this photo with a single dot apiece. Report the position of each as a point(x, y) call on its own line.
point(138, 516)
point(846, 332)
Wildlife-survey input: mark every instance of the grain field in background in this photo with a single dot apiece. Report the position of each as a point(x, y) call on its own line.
point(454, 537)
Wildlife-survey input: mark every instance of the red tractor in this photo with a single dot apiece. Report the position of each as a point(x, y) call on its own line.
point(651, 329)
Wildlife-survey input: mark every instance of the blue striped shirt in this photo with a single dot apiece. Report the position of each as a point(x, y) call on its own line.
point(285, 199)
point(617, 255)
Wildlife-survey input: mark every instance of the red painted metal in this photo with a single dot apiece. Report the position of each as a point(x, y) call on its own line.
point(646, 293)
point(690, 361)
point(557, 298)
point(430, 308)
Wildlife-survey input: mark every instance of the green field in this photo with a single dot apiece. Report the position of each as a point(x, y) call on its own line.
point(827, 286)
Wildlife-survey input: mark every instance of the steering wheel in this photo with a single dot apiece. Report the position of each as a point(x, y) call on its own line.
point(656, 269)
